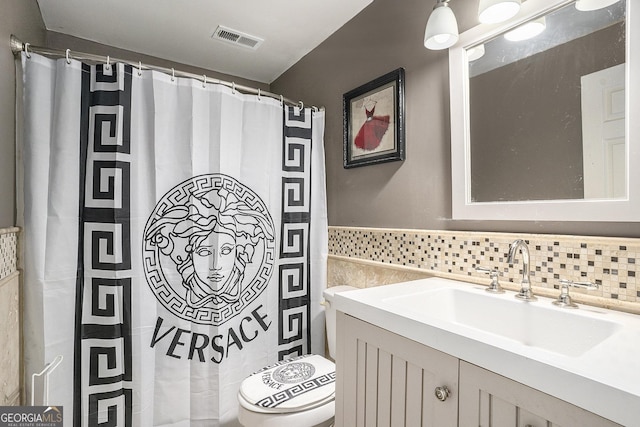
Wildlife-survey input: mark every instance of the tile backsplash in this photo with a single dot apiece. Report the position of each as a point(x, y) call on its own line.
point(612, 263)
point(10, 323)
point(8, 251)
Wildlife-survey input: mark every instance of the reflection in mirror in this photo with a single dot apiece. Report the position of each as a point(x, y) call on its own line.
point(547, 114)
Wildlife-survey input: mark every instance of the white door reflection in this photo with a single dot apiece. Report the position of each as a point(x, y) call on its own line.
point(603, 134)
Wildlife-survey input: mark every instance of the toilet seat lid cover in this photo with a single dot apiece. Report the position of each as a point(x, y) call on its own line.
point(291, 384)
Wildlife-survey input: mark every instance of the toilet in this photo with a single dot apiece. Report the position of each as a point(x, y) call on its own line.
point(296, 392)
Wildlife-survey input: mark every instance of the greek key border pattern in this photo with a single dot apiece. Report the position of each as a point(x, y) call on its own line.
point(282, 396)
point(294, 280)
point(103, 346)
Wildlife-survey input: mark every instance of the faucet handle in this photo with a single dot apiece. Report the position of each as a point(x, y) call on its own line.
point(564, 299)
point(584, 285)
point(494, 287)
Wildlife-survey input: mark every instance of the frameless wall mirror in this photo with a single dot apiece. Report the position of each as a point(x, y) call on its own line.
point(542, 115)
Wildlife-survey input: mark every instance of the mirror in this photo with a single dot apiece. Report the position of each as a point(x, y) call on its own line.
point(538, 125)
point(526, 102)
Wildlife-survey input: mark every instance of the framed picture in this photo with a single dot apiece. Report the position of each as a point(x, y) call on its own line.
point(373, 116)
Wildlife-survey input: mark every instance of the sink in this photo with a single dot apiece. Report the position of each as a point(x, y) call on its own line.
point(587, 357)
point(534, 324)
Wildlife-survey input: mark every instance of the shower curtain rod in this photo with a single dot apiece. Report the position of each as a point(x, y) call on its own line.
point(18, 46)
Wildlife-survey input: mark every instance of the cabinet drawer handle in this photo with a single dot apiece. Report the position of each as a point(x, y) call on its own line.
point(442, 393)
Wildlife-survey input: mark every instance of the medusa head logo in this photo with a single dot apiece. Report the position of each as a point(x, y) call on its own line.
point(208, 249)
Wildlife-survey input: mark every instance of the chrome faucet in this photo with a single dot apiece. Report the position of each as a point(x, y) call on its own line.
point(525, 286)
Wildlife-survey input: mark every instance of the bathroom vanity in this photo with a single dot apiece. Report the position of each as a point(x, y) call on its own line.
point(437, 352)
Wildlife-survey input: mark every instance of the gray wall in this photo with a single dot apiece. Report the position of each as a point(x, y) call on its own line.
point(415, 193)
point(387, 35)
point(21, 18)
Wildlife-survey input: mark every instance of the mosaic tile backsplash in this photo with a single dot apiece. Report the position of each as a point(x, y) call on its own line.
point(612, 263)
point(8, 251)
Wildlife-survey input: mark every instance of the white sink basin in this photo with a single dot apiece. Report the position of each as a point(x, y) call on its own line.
point(587, 357)
point(535, 324)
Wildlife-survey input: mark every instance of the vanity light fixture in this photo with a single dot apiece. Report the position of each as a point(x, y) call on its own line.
point(442, 27)
point(527, 30)
point(475, 52)
point(494, 11)
point(588, 5)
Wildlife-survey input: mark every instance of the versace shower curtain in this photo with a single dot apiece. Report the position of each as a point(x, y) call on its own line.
point(174, 240)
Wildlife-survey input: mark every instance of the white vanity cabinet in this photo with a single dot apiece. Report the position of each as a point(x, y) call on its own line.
point(490, 400)
point(384, 379)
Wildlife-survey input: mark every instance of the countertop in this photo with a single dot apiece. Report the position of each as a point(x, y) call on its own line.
point(605, 379)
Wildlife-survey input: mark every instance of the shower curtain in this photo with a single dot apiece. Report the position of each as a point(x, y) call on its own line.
point(174, 240)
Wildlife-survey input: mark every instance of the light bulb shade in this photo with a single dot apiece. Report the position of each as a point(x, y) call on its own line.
point(588, 5)
point(526, 31)
point(442, 28)
point(494, 11)
point(475, 52)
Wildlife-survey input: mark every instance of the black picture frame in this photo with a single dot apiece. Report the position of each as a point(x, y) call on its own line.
point(373, 121)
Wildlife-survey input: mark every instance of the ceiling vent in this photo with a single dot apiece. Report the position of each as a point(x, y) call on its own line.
point(237, 38)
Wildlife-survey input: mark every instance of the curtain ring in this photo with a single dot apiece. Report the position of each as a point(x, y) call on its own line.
point(281, 100)
point(173, 75)
point(139, 68)
point(315, 109)
point(108, 66)
point(259, 98)
point(233, 88)
point(301, 105)
point(204, 80)
point(68, 56)
point(26, 50)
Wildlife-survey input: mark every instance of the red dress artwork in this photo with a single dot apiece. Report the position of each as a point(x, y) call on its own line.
point(372, 131)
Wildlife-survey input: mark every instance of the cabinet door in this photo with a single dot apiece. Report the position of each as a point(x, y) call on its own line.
point(383, 379)
point(491, 400)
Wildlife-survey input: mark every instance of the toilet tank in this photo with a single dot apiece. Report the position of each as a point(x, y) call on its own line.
point(330, 315)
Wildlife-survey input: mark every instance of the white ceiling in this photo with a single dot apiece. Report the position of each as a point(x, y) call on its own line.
point(180, 30)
